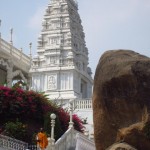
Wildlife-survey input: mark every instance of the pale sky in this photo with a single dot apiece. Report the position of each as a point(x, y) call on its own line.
point(108, 24)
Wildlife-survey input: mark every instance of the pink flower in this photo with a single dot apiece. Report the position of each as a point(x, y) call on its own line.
point(30, 99)
point(19, 99)
point(6, 93)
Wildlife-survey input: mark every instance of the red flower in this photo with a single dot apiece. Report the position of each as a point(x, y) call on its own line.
point(30, 99)
point(19, 99)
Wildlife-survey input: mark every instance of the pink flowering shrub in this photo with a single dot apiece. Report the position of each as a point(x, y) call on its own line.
point(30, 108)
point(23, 104)
point(78, 125)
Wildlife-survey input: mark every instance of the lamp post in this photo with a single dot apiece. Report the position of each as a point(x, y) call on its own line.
point(71, 113)
point(53, 117)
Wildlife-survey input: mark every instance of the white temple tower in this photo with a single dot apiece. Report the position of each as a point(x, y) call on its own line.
point(60, 68)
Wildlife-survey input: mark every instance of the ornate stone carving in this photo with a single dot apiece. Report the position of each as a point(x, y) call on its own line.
point(52, 82)
point(4, 63)
point(9, 67)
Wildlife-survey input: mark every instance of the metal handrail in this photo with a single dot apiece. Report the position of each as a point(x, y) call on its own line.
point(11, 143)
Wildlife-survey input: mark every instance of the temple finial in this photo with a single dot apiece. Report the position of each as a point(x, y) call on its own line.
point(21, 50)
point(30, 46)
point(0, 26)
point(11, 32)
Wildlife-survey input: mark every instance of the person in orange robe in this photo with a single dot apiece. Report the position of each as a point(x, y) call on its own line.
point(42, 140)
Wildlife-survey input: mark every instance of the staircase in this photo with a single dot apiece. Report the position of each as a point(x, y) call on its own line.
point(83, 109)
point(72, 140)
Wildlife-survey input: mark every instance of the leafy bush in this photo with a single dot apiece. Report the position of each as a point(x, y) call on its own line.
point(16, 130)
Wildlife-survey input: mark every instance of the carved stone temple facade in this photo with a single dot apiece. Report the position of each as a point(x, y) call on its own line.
point(14, 64)
point(60, 68)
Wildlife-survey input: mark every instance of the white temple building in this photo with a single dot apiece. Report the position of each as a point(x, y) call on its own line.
point(60, 68)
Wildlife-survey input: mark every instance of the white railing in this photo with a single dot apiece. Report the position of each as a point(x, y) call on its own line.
point(10, 49)
point(73, 139)
point(12, 144)
point(82, 104)
point(77, 104)
point(65, 142)
point(84, 143)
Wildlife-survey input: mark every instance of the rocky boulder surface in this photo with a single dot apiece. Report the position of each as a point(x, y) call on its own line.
point(121, 146)
point(121, 98)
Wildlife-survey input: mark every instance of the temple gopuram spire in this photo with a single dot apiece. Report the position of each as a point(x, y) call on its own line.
point(60, 68)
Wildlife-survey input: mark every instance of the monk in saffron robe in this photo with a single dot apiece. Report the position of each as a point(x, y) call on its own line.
point(42, 140)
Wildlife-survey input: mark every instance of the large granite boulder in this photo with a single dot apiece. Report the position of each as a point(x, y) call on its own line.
point(121, 95)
